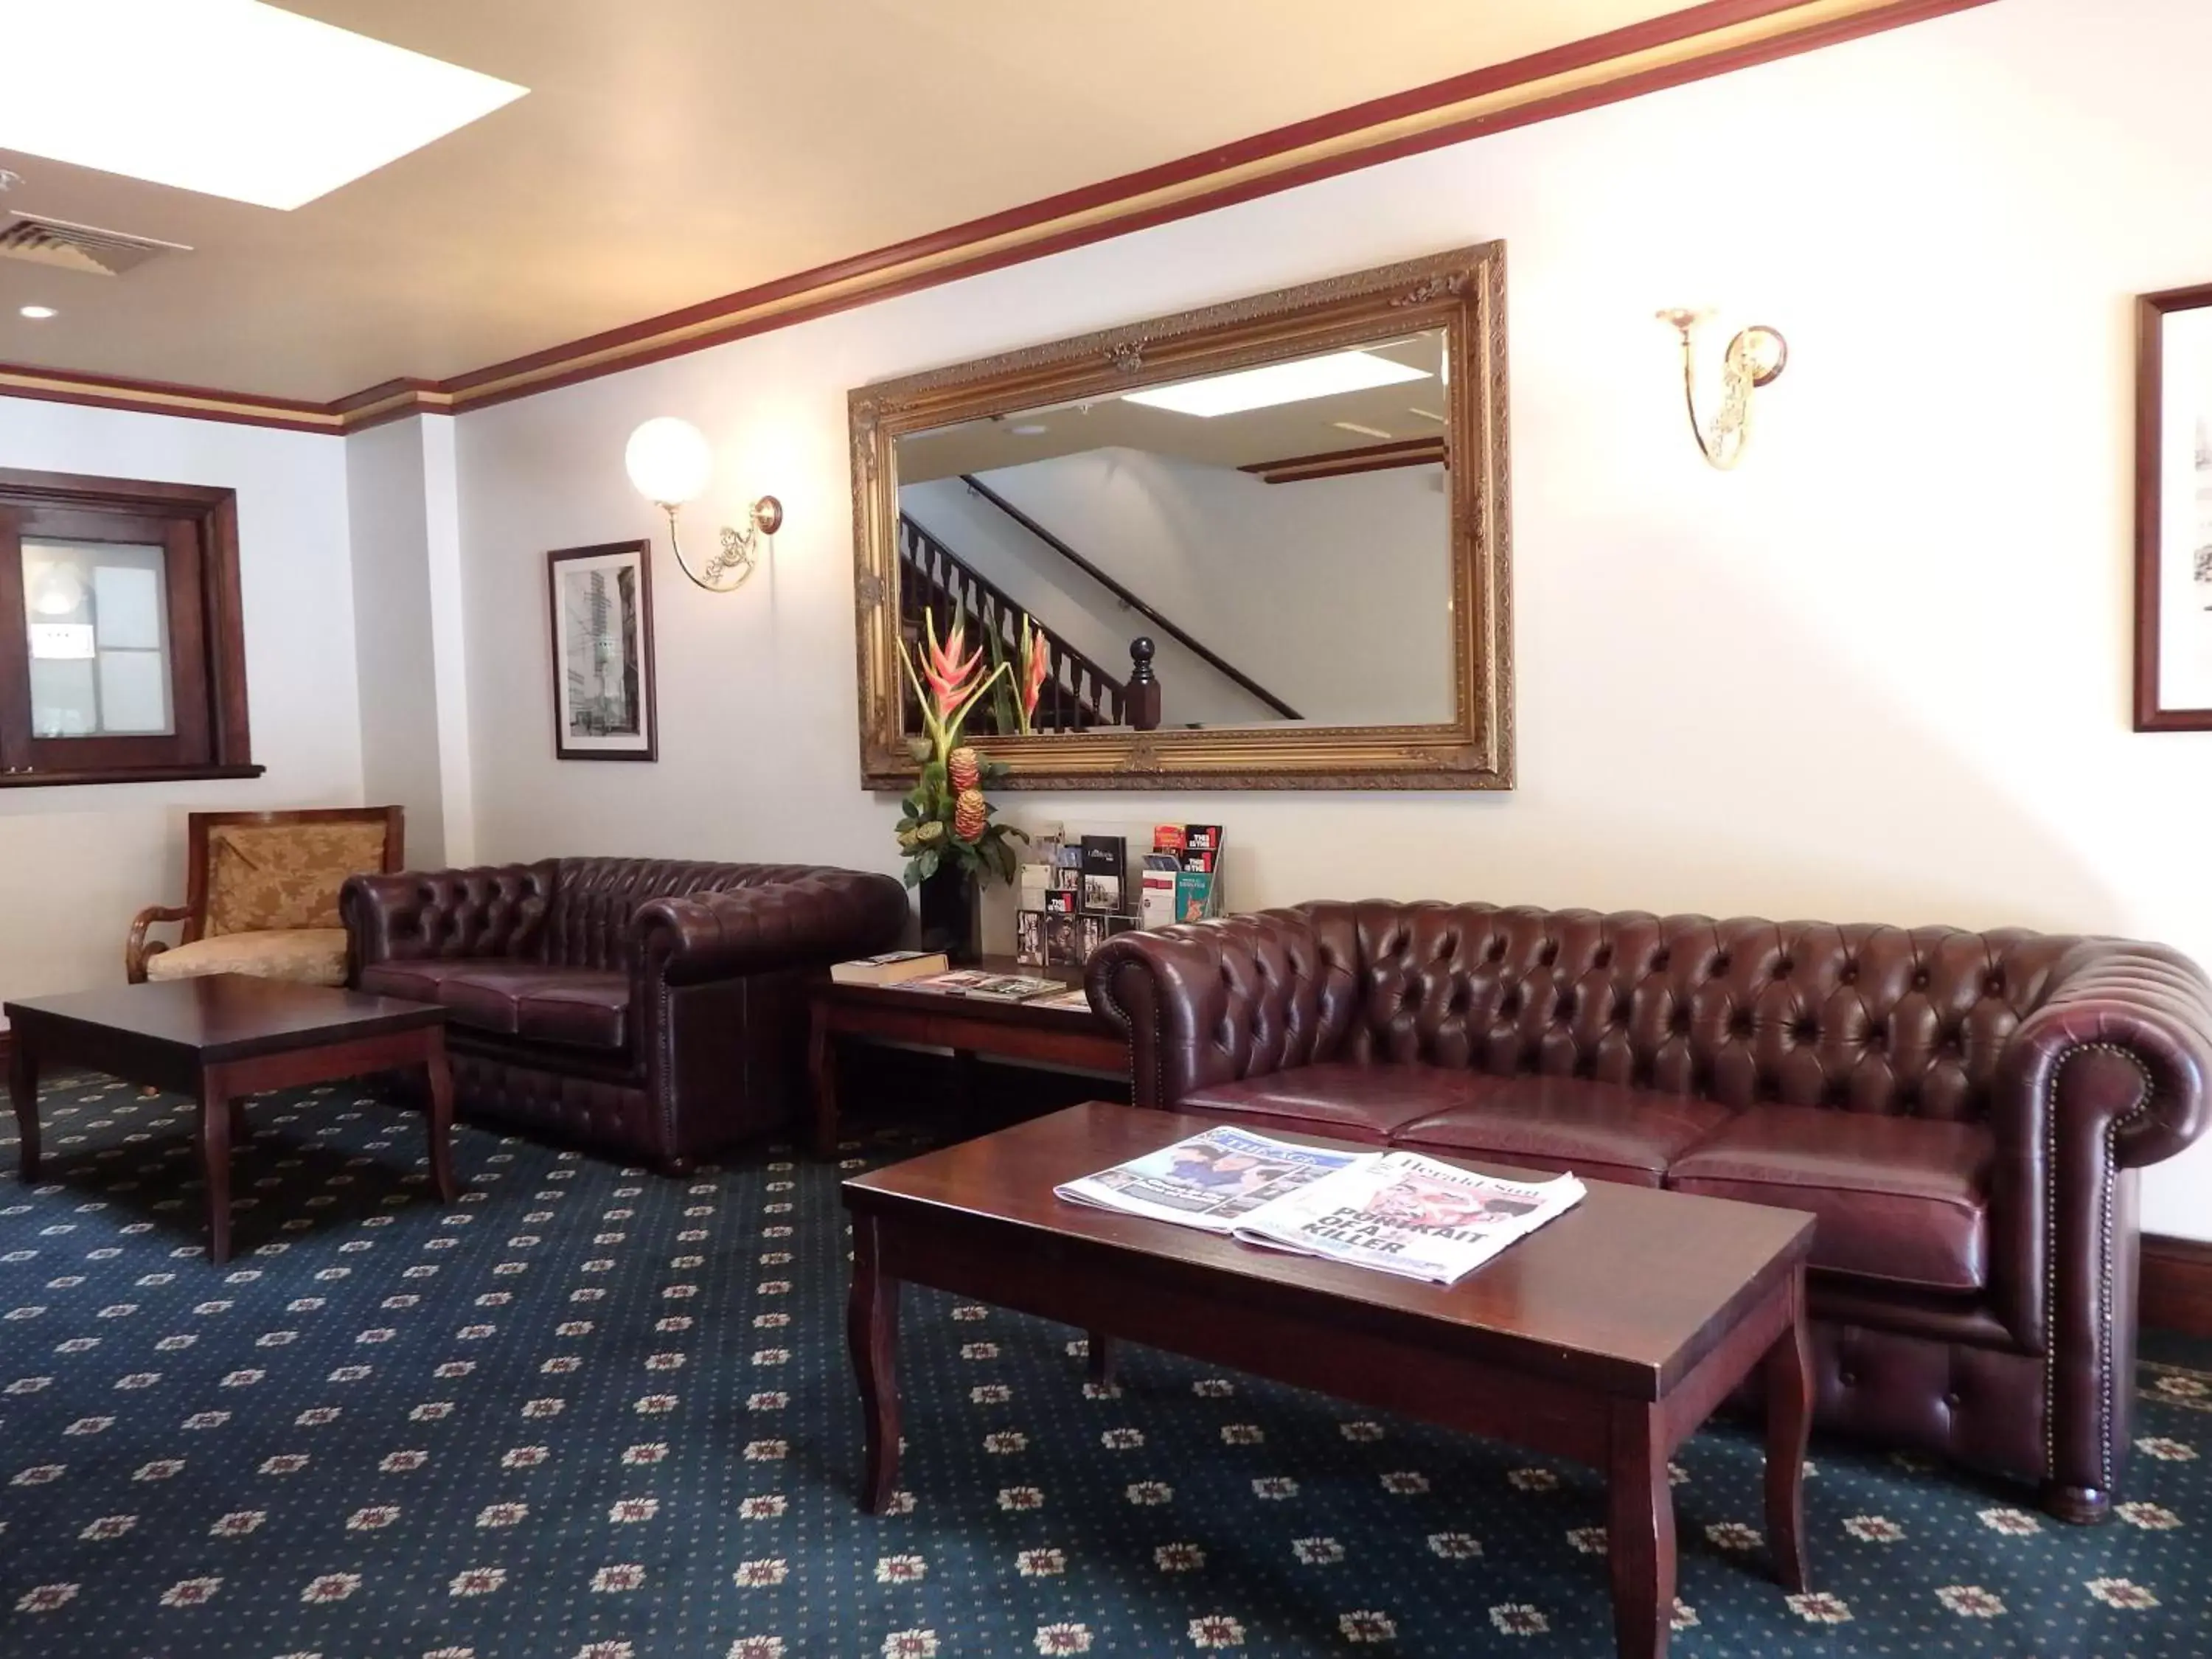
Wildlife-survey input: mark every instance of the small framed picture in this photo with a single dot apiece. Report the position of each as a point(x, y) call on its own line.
point(603, 697)
point(2174, 512)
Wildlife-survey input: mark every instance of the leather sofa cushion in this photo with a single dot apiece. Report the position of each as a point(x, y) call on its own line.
point(578, 1006)
point(1349, 1101)
point(1599, 1131)
point(1901, 1200)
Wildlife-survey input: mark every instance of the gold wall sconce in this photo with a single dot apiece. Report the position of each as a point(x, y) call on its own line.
point(670, 461)
point(1754, 358)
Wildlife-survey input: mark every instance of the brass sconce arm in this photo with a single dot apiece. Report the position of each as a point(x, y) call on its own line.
point(729, 567)
point(1754, 358)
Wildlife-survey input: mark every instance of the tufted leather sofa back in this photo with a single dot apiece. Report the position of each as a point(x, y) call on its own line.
point(1859, 1016)
point(591, 901)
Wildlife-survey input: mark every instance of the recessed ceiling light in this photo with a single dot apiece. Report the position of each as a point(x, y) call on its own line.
point(1028, 429)
point(1364, 431)
point(1278, 383)
point(39, 314)
point(282, 108)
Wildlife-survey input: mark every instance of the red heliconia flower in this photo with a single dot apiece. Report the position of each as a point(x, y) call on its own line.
point(1037, 668)
point(950, 669)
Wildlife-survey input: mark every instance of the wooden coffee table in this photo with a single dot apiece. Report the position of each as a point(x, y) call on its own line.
point(1004, 1031)
point(1607, 1337)
point(221, 1037)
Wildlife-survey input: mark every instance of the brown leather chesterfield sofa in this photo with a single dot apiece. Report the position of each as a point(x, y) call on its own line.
point(1964, 1112)
point(648, 1009)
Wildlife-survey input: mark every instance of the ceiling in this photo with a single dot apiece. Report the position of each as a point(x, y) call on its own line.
point(671, 151)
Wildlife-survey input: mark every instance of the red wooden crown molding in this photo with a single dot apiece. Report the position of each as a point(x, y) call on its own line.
point(1711, 39)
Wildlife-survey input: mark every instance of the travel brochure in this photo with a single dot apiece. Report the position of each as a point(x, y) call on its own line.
point(1396, 1212)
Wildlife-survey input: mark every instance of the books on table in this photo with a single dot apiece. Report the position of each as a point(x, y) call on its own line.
point(1397, 1212)
point(892, 968)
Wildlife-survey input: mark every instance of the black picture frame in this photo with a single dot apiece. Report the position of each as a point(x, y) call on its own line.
point(598, 603)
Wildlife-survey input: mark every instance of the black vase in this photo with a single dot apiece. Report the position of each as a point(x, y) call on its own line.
point(949, 919)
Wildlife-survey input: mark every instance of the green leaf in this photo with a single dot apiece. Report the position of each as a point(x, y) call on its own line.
point(913, 871)
point(926, 863)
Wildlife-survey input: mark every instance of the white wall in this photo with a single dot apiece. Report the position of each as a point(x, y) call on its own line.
point(1331, 593)
point(76, 863)
point(1881, 673)
point(405, 528)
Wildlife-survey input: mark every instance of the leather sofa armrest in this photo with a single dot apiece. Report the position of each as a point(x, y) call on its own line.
point(496, 910)
point(2108, 1073)
point(2116, 1061)
point(1211, 1002)
point(811, 922)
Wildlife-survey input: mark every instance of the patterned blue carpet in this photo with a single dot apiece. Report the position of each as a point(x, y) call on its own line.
point(588, 1413)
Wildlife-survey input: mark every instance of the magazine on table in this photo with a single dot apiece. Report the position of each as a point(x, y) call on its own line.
point(981, 985)
point(1398, 1213)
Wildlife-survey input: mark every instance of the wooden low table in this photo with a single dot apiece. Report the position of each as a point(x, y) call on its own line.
point(221, 1037)
point(1607, 1336)
point(1003, 1030)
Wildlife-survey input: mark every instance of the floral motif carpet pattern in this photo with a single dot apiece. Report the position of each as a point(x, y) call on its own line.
point(592, 1413)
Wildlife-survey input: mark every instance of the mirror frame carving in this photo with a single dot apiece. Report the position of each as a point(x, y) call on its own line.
point(1461, 292)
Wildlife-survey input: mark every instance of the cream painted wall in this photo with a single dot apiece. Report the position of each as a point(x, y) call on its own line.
point(76, 864)
point(403, 516)
point(1881, 673)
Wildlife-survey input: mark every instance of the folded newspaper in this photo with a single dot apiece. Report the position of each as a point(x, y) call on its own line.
point(1397, 1212)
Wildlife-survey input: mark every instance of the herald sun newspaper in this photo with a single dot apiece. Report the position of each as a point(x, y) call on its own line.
point(1397, 1212)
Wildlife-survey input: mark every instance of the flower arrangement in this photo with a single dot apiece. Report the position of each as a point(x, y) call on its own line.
point(946, 824)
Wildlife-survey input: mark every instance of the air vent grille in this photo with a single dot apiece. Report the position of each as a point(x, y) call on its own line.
point(84, 248)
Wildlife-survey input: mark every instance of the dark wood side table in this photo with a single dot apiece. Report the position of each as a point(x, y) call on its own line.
point(1004, 1031)
point(221, 1037)
point(1607, 1336)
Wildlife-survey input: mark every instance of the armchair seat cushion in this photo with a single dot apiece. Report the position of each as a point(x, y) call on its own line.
point(308, 955)
point(1349, 1101)
point(1902, 1200)
point(1599, 1131)
point(579, 1007)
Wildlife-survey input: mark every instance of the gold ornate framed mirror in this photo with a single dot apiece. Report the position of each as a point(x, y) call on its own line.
point(1262, 545)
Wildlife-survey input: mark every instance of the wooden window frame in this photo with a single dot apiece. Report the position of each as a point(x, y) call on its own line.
point(198, 527)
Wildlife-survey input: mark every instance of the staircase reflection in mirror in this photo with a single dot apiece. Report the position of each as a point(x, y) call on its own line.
point(1281, 536)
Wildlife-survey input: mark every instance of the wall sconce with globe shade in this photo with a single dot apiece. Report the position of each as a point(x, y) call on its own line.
point(670, 462)
point(1754, 358)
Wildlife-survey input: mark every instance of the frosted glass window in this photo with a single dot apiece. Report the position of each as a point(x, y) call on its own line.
point(97, 620)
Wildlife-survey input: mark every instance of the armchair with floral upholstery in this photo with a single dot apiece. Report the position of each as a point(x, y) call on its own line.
point(261, 894)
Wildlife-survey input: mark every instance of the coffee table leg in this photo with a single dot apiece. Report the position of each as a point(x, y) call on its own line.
point(1640, 1532)
point(1101, 1348)
point(215, 1160)
point(1788, 1369)
point(822, 1057)
point(441, 1075)
point(24, 1086)
point(871, 1330)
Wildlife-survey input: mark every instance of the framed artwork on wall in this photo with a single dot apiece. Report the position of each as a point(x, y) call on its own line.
point(2174, 512)
point(601, 600)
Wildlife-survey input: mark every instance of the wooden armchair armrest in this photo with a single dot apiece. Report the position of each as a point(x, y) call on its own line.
point(138, 948)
